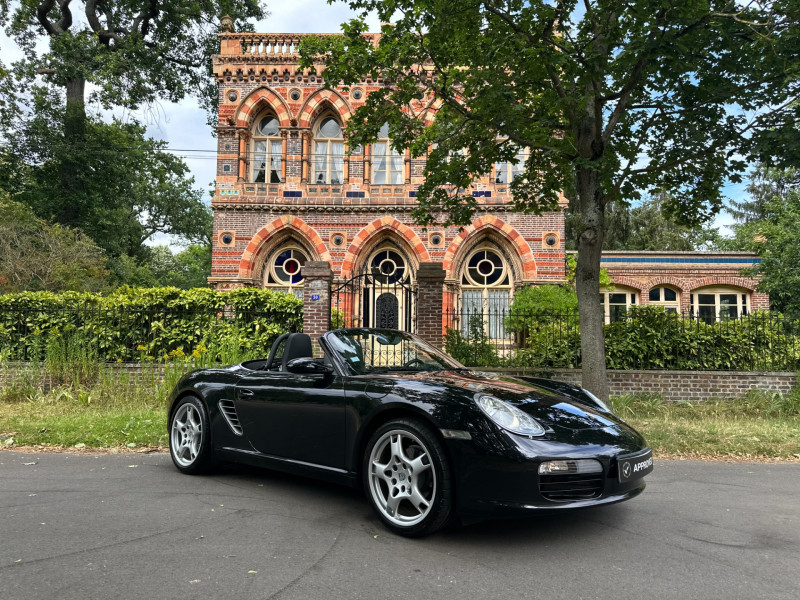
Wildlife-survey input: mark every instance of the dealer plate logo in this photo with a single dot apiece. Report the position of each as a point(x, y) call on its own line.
point(635, 466)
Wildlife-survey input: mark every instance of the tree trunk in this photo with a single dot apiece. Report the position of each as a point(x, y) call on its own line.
point(587, 282)
point(69, 212)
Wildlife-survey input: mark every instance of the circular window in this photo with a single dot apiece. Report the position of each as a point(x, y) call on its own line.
point(338, 240)
point(388, 266)
point(268, 126)
point(313, 79)
point(252, 78)
point(263, 78)
point(295, 95)
point(227, 147)
point(232, 96)
point(436, 239)
point(550, 240)
point(485, 268)
point(288, 264)
point(330, 128)
point(274, 78)
point(357, 94)
point(227, 239)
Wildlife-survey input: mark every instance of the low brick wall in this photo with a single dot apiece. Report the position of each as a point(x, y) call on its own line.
point(679, 385)
point(671, 385)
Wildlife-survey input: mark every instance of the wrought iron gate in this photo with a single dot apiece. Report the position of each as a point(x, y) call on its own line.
point(375, 299)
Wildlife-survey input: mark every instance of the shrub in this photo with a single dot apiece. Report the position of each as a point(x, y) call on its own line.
point(141, 323)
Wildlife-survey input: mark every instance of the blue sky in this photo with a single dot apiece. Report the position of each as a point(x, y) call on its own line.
point(183, 125)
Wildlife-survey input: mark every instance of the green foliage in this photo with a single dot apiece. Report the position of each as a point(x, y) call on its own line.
point(135, 324)
point(474, 349)
point(37, 256)
point(769, 225)
point(645, 226)
point(127, 189)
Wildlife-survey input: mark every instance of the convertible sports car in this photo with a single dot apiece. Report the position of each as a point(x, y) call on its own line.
point(426, 437)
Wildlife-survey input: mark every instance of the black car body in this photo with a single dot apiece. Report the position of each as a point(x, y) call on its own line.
point(323, 418)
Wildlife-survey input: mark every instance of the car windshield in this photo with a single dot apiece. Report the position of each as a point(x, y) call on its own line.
point(374, 350)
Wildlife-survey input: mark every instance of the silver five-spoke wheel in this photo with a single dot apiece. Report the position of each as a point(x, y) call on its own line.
point(188, 436)
point(402, 480)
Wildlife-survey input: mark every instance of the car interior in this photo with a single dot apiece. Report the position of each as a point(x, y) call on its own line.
point(286, 348)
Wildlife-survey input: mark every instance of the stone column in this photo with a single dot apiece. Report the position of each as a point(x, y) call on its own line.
point(430, 288)
point(317, 277)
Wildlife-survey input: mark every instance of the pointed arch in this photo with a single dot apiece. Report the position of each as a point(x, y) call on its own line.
point(497, 226)
point(258, 100)
point(318, 102)
point(256, 249)
point(366, 236)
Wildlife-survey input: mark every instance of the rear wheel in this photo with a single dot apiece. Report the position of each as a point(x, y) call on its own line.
point(407, 478)
point(190, 436)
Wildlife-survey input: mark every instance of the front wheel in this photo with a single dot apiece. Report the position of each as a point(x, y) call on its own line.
point(407, 478)
point(190, 436)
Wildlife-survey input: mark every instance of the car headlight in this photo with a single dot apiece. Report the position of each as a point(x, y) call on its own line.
point(508, 416)
point(597, 401)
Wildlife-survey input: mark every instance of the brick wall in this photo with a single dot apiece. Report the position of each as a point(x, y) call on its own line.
point(675, 386)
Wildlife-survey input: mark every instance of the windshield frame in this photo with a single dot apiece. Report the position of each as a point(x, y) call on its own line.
point(331, 337)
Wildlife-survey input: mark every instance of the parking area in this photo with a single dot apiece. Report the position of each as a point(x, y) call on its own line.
point(130, 526)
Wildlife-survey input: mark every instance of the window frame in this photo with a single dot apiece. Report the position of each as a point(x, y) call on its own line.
point(268, 154)
point(743, 303)
point(670, 306)
point(494, 326)
point(329, 156)
point(632, 298)
point(270, 269)
point(510, 169)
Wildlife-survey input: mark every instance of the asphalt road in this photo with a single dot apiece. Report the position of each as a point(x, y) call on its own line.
point(130, 526)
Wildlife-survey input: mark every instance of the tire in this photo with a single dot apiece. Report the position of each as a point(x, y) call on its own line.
point(190, 437)
point(407, 478)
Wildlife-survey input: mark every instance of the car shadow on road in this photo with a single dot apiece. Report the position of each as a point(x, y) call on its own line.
point(351, 504)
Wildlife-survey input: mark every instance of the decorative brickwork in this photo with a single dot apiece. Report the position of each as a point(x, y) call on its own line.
point(430, 279)
point(317, 300)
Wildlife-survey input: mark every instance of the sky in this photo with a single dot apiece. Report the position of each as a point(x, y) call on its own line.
point(183, 125)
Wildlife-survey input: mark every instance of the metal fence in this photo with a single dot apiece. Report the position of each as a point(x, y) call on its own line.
point(642, 338)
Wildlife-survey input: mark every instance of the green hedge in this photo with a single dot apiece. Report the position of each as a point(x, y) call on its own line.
point(648, 338)
point(144, 323)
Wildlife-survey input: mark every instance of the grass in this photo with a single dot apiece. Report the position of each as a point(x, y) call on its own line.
point(760, 425)
point(90, 404)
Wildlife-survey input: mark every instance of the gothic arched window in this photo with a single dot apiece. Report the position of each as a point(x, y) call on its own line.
point(387, 163)
point(328, 152)
point(486, 284)
point(267, 151)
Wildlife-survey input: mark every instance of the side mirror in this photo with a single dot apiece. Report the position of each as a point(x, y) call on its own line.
point(308, 366)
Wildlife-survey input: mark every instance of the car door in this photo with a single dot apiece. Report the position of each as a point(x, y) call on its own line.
point(294, 416)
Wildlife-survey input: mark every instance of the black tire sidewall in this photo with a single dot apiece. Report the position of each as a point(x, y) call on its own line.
point(204, 460)
point(443, 499)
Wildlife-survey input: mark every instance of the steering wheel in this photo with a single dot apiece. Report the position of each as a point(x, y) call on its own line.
point(414, 361)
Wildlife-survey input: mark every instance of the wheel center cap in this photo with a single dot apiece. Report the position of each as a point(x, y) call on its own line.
point(401, 476)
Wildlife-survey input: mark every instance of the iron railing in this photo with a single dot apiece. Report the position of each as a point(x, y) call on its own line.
point(642, 338)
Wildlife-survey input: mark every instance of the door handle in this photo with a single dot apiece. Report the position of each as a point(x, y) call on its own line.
point(246, 392)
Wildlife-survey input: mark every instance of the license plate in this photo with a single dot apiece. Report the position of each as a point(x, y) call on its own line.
point(634, 466)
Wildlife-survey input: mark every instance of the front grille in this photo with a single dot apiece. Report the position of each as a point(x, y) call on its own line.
point(571, 488)
point(229, 412)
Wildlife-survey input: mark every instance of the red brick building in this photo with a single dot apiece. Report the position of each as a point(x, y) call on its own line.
point(289, 190)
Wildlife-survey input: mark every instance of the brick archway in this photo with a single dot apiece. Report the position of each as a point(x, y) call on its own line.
point(501, 228)
point(675, 282)
point(627, 282)
point(718, 280)
point(318, 102)
point(370, 231)
point(257, 246)
point(257, 101)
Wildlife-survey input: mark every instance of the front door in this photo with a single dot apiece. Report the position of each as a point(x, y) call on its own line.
point(299, 417)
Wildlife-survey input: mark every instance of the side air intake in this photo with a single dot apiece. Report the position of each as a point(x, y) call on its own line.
point(229, 412)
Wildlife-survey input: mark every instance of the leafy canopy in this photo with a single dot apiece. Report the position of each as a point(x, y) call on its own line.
point(633, 95)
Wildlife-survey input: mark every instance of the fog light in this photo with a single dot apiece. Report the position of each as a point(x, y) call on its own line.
point(570, 467)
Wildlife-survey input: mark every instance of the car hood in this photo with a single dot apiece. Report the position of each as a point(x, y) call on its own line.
point(556, 410)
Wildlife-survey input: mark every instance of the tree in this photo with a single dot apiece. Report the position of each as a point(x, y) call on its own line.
point(130, 188)
point(189, 268)
point(646, 226)
point(37, 256)
point(769, 225)
point(133, 52)
point(612, 97)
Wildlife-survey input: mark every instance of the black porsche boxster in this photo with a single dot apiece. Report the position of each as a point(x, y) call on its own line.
point(427, 438)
